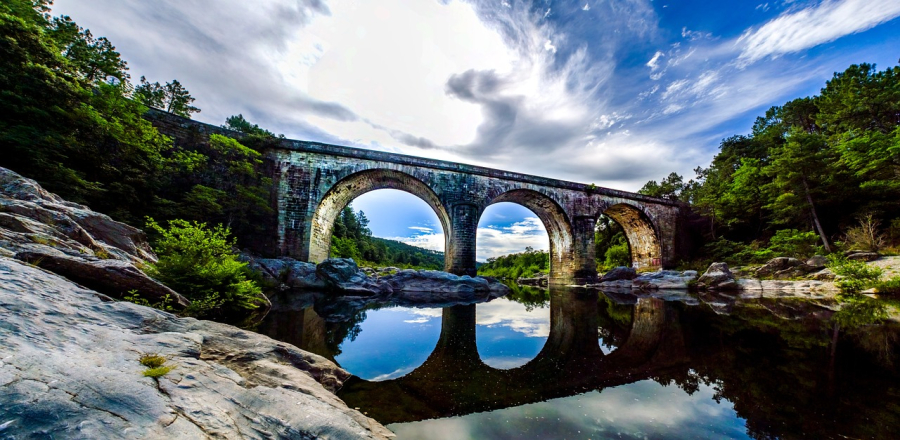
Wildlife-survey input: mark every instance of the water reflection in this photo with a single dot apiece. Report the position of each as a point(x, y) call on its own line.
point(617, 364)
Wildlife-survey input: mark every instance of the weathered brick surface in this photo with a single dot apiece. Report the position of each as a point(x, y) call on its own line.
point(313, 182)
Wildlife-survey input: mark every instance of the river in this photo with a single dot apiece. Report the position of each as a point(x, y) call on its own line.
point(570, 363)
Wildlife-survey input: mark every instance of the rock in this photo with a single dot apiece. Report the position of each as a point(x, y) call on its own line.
point(69, 239)
point(778, 264)
point(342, 275)
point(437, 286)
point(823, 275)
point(619, 273)
point(861, 255)
point(616, 285)
point(717, 276)
point(70, 367)
point(817, 262)
point(665, 279)
point(286, 271)
point(22, 198)
point(542, 280)
point(115, 278)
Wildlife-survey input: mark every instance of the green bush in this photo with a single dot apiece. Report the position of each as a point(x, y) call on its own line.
point(856, 276)
point(793, 243)
point(198, 262)
point(889, 287)
point(617, 255)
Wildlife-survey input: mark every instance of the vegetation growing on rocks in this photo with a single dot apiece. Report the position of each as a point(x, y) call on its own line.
point(199, 262)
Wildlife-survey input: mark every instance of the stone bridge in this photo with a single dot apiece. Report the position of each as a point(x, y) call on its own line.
point(314, 182)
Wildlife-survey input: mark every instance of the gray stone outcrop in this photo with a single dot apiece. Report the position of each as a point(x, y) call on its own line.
point(717, 276)
point(69, 368)
point(344, 276)
point(619, 273)
point(69, 239)
point(433, 285)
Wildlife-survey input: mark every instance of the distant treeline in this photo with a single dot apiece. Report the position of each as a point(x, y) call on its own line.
point(827, 164)
point(522, 265)
point(352, 238)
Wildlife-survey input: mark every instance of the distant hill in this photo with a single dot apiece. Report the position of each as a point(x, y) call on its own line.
point(402, 254)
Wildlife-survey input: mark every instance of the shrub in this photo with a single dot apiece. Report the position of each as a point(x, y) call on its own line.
point(198, 262)
point(856, 276)
point(158, 371)
point(866, 235)
point(152, 360)
point(889, 287)
point(793, 243)
point(617, 255)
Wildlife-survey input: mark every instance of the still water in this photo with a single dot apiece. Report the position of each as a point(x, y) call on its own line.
point(586, 364)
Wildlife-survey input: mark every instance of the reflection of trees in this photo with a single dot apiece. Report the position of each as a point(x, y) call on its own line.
point(529, 296)
point(613, 321)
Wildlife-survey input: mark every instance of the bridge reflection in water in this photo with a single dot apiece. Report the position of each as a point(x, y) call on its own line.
point(781, 375)
point(454, 380)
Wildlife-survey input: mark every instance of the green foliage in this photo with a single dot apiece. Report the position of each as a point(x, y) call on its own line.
point(856, 276)
point(889, 287)
point(158, 371)
point(198, 262)
point(793, 243)
point(152, 360)
point(610, 245)
point(811, 164)
point(134, 297)
point(171, 97)
point(155, 364)
point(526, 264)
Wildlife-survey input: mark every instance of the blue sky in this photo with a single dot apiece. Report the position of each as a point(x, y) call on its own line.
point(613, 92)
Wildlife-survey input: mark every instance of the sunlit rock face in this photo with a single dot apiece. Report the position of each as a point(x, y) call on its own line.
point(69, 368)
point(314, 182)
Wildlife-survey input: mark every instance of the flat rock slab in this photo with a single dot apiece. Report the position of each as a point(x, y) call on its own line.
point(69, 369)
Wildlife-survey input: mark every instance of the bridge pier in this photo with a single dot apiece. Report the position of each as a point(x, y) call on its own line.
point(584, 269)
point(460, 256)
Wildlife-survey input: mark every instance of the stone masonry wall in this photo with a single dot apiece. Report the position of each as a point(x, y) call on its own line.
point(314, 181)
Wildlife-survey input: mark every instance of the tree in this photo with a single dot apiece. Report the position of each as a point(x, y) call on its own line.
point(797, 170)
point(171, 97)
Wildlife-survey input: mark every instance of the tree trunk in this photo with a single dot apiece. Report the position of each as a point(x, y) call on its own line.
point(812, 209)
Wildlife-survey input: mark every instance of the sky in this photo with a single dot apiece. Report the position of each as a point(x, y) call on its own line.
point(611, 92)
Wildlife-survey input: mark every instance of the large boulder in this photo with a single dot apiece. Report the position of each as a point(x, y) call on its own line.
point(862, 255)
point(437, 286)
point(287, 272)
point(619, 273)
point(665, 279)
point(817, 262)
point(717, 276)
point(777, 265)
point(115, 278)
point(342, 275)
point(70, 367)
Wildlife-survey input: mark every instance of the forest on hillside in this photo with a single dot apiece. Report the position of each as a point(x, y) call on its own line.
point(820, 173)
point(352, 238)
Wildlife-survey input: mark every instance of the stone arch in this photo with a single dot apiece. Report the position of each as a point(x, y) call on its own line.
point(643, 238)
point(355, 185)
point(559, 228)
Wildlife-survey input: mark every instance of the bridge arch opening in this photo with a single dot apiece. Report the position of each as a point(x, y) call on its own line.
point(556, 223)
point(643, 239)
point(345, 191)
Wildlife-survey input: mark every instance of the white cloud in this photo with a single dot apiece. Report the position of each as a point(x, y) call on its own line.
point(505, 313)
point(653, 64)
point(802, 29)
point(492, 241)
point(421, 229)
point(586, 7)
